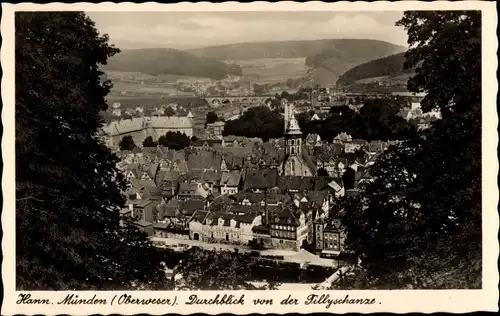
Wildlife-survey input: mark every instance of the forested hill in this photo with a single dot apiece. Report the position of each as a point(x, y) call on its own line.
point(157, 61)
point(367, 49)
point(388, 66)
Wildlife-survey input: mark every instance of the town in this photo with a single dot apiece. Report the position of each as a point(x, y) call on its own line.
point(278, 198)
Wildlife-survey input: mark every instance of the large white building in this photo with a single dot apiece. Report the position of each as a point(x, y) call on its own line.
point(142, 127)
point(223, 227)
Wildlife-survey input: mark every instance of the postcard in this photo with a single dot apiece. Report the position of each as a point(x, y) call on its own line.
point(249, 158)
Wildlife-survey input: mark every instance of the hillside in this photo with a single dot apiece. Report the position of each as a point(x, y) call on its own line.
point(382, 68)
point(326, 59)
point(295, 49)
point(157, 61)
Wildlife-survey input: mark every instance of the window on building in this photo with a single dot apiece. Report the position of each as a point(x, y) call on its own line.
point(281, 241)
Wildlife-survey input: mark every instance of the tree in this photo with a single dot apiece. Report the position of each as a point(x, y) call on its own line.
point(68, 189)
point(127, 143)
point(149, 142)
point(174, 140)
point(169, 111)
point(419, 223)
point(211, 270)
point(211, 118)
point(256, 122)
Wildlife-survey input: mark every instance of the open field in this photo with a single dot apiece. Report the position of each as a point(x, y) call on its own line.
point(167, 78)
point(273, 70)
point(143, 88)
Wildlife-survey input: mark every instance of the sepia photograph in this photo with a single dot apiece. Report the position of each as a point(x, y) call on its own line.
point(215, 150)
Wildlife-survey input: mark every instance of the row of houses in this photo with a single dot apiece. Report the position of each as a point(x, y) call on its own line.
point(238, 194)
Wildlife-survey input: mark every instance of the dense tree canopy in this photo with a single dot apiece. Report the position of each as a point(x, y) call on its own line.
point(378, 119)
point(169, 111)
point(211, 118)
point(174, 140)
point(256, 122)
point(68, 190)
point(218, 270)
point(392, 65)
point(149, 142)
point(127, 143)
point(419, 223)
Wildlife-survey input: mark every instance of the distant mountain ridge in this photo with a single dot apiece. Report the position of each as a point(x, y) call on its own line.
point(294, 49)
point(158, 61)
point(327, 59)
point(390, 66)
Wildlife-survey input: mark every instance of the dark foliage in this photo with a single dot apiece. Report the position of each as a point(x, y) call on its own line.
point(169, 111)
point(256, 122)
point(174, 140)
point(158, 61)
point(68, 190)
point(211, 118)
point(419, 224)
point(378, 119)
point(127, 143)
point(149, 142)
point(388, 66)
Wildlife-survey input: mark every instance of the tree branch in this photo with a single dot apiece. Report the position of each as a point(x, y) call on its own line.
point(28, 198)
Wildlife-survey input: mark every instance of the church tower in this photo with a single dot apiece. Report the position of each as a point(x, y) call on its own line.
point(293, 137)
point(294, 164)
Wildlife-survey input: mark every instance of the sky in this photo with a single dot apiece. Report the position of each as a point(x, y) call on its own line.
point(183, 30)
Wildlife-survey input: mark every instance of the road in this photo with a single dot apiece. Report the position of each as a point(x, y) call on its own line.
point(300, 257)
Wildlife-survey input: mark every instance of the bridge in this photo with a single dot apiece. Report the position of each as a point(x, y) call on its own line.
point(251, 99)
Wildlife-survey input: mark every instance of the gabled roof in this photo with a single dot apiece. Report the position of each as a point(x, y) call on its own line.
point(235, 151)
point(170, 122)
point(188, 186)
point(206, 142)
point(250, 196)
point(200, 216)
point(286, 216)
point(211, 176)
point(300, 183)
point(230, 179)
point(261, 178)
point(189, 207)
point(204, 160)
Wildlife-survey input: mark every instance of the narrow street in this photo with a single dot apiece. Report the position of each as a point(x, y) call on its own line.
point(300, 257)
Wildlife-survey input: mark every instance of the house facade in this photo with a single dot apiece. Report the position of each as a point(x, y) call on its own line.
point(222, 227)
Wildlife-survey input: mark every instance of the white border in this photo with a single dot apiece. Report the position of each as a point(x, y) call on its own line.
point(390, 301)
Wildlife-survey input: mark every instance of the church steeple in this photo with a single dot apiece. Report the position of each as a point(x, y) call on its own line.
point(294, 164)
point(293, 134)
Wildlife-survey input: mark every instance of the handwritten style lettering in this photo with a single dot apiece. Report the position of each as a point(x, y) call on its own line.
point(26, 299)
point(217, 300)
point(72, 299)
point(127, 299)
point(324, 299)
